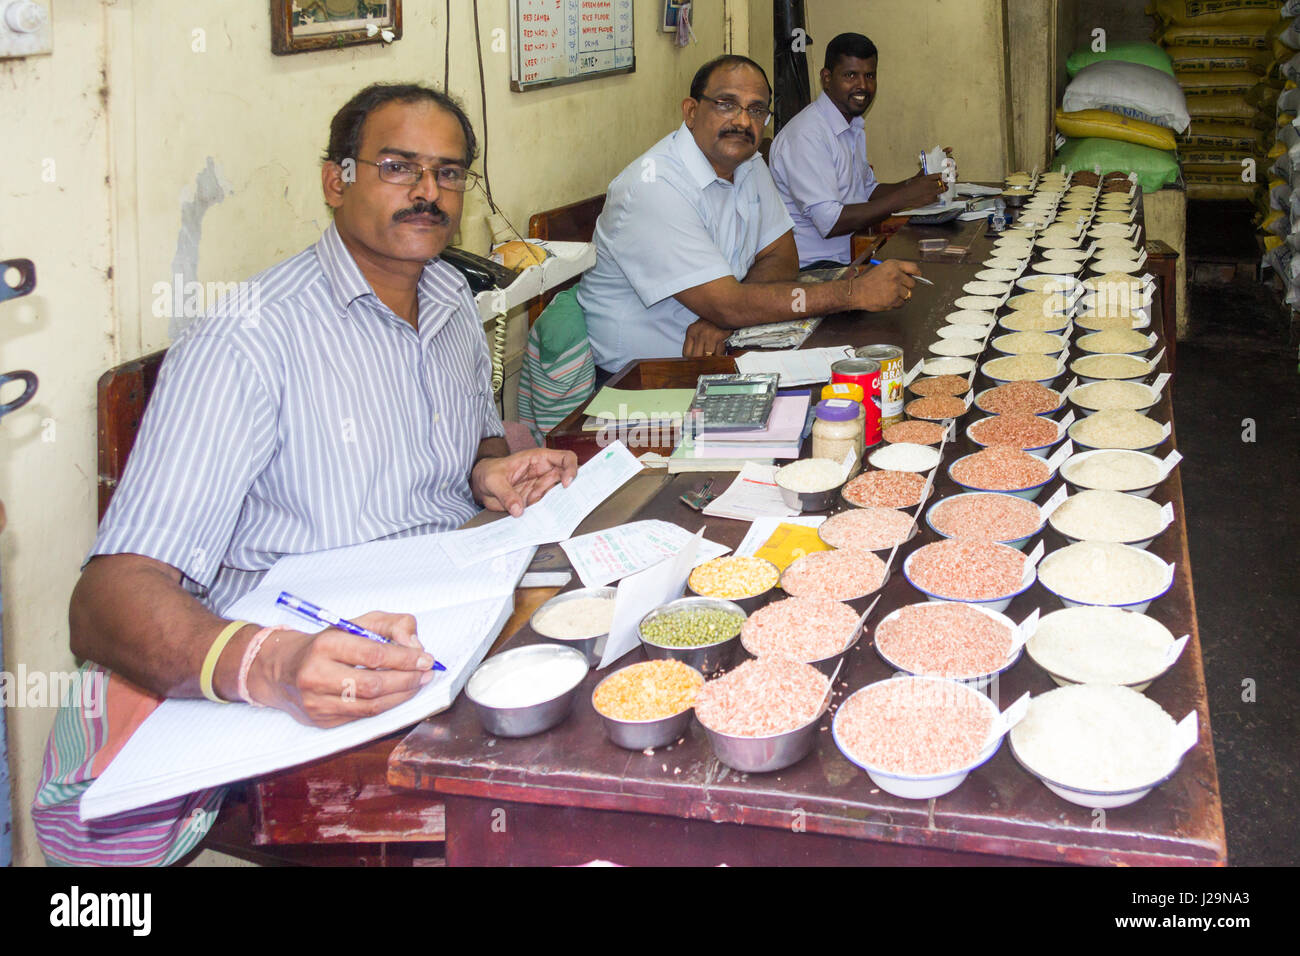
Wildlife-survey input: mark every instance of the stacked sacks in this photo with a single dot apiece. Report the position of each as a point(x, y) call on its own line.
point(1281, 217)
point(1225, 56)
point(1120, 112)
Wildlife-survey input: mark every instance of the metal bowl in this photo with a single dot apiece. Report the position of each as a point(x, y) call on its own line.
point(802, 501)
point(889, 547)
point(591, 647)
point(1038, 451)
point(765, 754)
point(533, 718)
point(706, 658)
point(850, 598)
point(747, 604)
point(642, 734)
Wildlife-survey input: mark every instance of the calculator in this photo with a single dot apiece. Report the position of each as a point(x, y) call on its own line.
point(733, 402)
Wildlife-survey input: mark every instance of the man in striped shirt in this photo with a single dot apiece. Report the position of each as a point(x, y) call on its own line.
point(353, 404)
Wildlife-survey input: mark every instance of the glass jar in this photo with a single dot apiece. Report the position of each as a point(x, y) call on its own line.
point(837, 431)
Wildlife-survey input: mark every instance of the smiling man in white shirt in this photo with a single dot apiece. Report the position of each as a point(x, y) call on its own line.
point(694, 240)
point(819, 161)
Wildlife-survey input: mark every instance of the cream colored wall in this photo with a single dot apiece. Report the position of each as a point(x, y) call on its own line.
point(131, 110)
point(939, 80)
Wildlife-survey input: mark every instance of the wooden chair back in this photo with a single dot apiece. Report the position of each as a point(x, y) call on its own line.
point(122, 395)
point(575, 222)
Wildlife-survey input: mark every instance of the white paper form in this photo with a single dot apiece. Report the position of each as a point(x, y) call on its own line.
point(752, 494)
point(795, 366)
point(188, 745)
point(551, 519)
point(641, 593)
point(605, 556)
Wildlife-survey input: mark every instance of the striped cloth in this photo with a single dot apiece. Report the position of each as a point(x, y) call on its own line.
point(301, 414)
point(559, 372)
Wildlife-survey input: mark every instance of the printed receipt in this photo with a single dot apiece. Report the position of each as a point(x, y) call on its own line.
point(553, 518)
point(605, 556)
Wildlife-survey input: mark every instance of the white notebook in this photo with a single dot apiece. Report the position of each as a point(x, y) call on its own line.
point(188, 745)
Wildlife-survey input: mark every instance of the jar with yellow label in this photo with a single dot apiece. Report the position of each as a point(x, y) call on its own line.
point(837, 430)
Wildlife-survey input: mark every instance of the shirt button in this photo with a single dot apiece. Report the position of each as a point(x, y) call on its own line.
point(436, 418)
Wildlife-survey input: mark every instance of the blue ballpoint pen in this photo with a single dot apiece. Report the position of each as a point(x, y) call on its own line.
point(876, 262)
point(319, 615)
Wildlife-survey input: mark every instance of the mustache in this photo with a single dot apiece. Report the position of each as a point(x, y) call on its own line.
point(422, 209)
point(737, 131)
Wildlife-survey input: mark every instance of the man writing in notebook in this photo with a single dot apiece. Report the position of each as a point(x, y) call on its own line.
point(819, 161)
point(354, 406)
point(694, 240)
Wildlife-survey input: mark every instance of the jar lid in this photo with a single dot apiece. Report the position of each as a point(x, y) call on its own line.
point(838, 410)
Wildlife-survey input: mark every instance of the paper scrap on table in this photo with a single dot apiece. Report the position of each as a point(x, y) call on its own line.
point(606, 556)
point(551, 519)
point(640, 593)
point(763, 528)
point(752, 494)
point(789, 542)
point(795, 366)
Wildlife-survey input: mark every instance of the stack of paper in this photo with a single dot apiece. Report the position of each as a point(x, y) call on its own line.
point(796, 366)
point(782, 438)
point(627, 407)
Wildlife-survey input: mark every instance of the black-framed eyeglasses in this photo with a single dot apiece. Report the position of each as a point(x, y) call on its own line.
point(759, 114)
point(404, 172)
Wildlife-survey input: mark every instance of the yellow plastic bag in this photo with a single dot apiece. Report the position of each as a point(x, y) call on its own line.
point(1108, 125)
point(1229, 82)
point(1247, 37)
point(1193, 59)
point(1228, 108)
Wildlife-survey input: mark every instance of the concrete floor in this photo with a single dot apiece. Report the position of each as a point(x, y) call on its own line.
point(1237, 368)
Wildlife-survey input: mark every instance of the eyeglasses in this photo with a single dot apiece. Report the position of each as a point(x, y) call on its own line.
point(403, 172)
point(760, 114)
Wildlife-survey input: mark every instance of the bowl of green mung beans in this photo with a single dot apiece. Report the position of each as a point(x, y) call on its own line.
point(700, 631)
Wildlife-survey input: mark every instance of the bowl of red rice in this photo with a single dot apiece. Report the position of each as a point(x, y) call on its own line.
point(916, 737)
point(1032, 433)
point(987, 515)
point(844, 574)
point(1006, 470)
point(872, 528)
point(816, 631)
point(969, 571)
point(763, 715)
point(885, 489)
point(954, 641)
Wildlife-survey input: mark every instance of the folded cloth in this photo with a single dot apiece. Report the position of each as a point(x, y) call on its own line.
point(559, 370)
point(101, 712)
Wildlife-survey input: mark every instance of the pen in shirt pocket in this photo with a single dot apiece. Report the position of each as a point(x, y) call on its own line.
point(319, 615)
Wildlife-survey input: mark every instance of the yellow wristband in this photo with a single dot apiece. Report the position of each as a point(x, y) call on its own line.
point(214, 655)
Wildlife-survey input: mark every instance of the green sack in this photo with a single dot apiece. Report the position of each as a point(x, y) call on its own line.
point(1135, 51)
point(1154, 167)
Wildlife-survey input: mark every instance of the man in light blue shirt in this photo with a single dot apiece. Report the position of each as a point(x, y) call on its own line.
point(819, 161)
point(694, 240)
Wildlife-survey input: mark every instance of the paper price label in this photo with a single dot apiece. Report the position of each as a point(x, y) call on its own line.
point(1074, 383)
point(970, 397)
point(1175, 650)
point(1156, 361)
point(1167, 513)
point(1036, 555)
point(1164, 431)
point(1065, 451)
point(1004, 721)
point(913, 373)
point(1025, 630)
point(1148, 279)
point(1186, 734)
point(1054, 502)
point(1063, 425)
point(1171, 461)
point(1142, 257)
point(1161, 381)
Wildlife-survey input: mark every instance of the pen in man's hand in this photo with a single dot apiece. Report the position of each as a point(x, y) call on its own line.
point(876, 262)
point(319, 615)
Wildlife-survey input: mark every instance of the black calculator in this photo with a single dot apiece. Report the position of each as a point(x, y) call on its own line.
point(733, 402)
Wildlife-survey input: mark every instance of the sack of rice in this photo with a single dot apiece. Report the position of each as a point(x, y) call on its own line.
point(1257, 14)
point(1129, 51)
point(1107, 125)
point(1205, 132)
point(1194, 59)
point(1155, 168)
point(1130, 89)
point(1217, 84)
point(1227, 107)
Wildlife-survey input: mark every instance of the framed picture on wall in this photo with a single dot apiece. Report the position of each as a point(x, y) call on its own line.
point(671, 7)
point(299, 26)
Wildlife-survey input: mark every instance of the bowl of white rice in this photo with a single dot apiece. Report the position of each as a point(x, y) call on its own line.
point(1101, 368)
point(810, 484)
point(947, 365)
point(1043, 369)
point(1101, 645)
point(904, 456)
point(1029, 343)
point(1097, 745)
point(1055, 323)
point(1134, 396)
point(1065, 284)
point(1102, 573)
point(1094, 515)
point(1111, 470)
point(1097, 319)
point(580, 619)
point(916, 737)
point(964, 330)
point(960, 347)
point(1120, 428)
point(1117, 342)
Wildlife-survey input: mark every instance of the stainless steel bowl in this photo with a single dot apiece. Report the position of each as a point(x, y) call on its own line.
point(707, 658)
point(765, 754)
point(643, 734)
point(747, 604)
point(802, 501)
point(591, 647)
point(533, 718)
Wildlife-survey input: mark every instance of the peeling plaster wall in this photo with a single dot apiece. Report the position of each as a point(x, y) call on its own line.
point(182, 145)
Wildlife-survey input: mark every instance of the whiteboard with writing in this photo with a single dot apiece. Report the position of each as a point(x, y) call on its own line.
point(562, 41)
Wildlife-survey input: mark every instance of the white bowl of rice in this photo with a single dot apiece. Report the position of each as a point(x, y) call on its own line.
point(904, 456)
point(1054, 323)
point(1043, 369)
point(1114, 470)
point(916, 737)
point(990, 515)
point(1065, 284)
point(1101, 368)
point(1097, 745)
point(947, 365)
point(1134, 396)
point(1101, 645)
point(1118, 428)
point(1094, 515)
point(1105, 574)
point(1117, 342)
